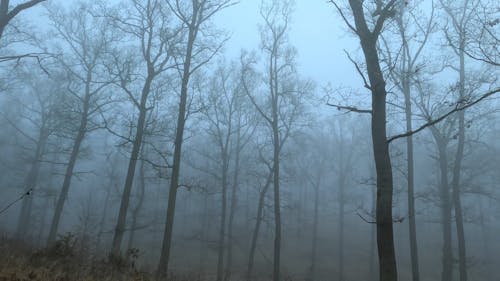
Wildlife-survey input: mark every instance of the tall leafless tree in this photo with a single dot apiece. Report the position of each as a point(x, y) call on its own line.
point(197, 52)
point(283, 101)
point(88, 40)
point(376, 83)
point(148, 25)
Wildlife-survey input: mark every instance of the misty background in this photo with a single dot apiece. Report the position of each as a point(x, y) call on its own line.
point(271, 97)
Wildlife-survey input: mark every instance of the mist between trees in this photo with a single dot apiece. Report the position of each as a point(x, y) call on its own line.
point(131, 135)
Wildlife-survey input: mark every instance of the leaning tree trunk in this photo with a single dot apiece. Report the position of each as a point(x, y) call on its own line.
point(162, 270)
point(137, 209)
point(258, 221)
point(122, 215)
point(82, 130)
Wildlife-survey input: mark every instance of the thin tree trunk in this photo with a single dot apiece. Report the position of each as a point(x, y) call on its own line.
point(314, 246)
point(82, 130)
point(447, 256)
point(341, 201)
point(459, 222)
point(137, 209)
point(258, 220)
point(204, 234)
point(122, 215)
point(104, 216)
point(176, 166)
point(222, 226)
point(373, 236)
point(410, 168)
point(232, 208)
point(277, 207)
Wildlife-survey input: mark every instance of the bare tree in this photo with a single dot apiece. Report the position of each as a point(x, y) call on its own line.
point(42, 118)
point(283, 101)
point(376, 83)
point(222, 111)
point(197, 52)
point(148, 24)
point(410, 23)
point(88, 40)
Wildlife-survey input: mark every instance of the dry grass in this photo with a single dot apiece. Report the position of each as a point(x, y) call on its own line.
point(61, 263)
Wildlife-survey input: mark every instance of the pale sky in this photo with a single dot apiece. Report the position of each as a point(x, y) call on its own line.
point(317, 32)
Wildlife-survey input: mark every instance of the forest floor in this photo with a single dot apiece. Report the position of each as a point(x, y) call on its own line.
point(62, 262)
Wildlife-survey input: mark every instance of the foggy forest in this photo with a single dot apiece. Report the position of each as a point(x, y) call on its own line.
point(224, 140)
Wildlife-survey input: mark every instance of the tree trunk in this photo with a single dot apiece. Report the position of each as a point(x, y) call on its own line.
point(103, 217)
point(176, 166)
point(137, 209)
point(446, 258)
point(122, 215)
point(383, 166)
point(411, 181)
point(276, 185)
point(314, 246)
point(373, 236)
point(459, 222)
point(82, 130)
point(232, 208)
point(222, 226)
point(258, 220)
point(341, 201)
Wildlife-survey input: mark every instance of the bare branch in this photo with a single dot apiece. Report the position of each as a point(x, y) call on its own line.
point(365, 81)
point(344, 17)
point(350, 108)
point(458, 107)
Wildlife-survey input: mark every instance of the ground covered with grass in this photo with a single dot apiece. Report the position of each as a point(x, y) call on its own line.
point(61, 262)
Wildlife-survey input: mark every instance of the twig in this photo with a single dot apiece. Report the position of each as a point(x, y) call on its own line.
point(359, 71)
point(365, 220)
point(350, 108)
point(27, 193)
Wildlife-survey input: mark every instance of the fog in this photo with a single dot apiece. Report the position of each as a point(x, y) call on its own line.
point(251, 140)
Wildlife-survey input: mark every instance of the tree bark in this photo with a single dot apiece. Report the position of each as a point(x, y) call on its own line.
point(176, 166)
point(222, 226)
point(6, 16)
point(384, 221)
point(122, 215)
point(314, 246)
point(340, 244)
point(137, 209)
point(258, 221)
point(459, 222)
point(446, 259)
point(234, 200)
point(410, 178)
